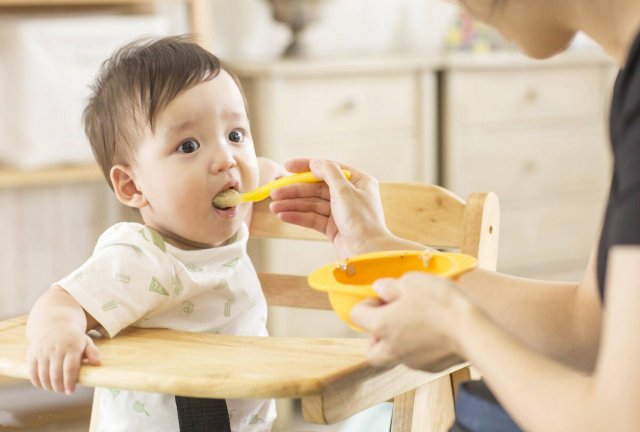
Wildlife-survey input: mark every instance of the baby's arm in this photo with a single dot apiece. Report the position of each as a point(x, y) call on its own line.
point(58, 342)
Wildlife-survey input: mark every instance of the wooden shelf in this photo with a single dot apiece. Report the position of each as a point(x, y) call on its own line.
point(29, 3)
point(13, 178)
point(198, 13)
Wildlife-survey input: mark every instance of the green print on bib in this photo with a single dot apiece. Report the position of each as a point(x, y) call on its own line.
point(222, 285)
point(193, 268)
point(232, 239)
point(176, 285)
point(109, 306)
point(227, 309)
point(232, 264)
point(139, 408)
point(157, 287)
point(155, 237)
point(114, 392)
point(256, 419)
point(124, 278)
point(186, 308)
point(158, 240)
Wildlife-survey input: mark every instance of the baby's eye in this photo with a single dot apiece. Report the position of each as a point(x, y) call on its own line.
point(188, 146)
point(236, 136)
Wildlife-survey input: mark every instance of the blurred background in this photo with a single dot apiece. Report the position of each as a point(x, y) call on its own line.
point(407, 90)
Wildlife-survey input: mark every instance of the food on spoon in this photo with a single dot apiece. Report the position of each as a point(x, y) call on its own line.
point(226, 199)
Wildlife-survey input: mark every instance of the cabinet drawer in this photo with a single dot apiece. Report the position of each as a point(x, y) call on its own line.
point(502, 98)
point(529, 163)
point(333, 106)
point(557, 230)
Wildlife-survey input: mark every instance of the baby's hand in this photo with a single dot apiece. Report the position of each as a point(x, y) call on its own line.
point(55, 356)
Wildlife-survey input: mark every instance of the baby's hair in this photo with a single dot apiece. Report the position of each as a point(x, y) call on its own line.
point(134, 86)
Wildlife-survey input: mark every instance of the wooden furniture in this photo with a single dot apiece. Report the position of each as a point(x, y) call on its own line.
point(199, 22)
point(377, 113)
point(73, 200)
point(330, 375)
point(198, 11)
point(535, 133)
point(27, 196)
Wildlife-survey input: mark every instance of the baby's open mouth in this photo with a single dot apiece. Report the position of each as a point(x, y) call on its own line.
point(226, 199)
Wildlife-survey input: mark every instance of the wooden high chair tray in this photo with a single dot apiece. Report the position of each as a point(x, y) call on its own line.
point(203, 365)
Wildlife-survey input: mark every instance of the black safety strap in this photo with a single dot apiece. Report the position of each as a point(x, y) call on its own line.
point(202, 415)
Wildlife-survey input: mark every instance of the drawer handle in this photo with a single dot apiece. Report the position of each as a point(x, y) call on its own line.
point(531, 96)
point(348, 105)
point(529, 166)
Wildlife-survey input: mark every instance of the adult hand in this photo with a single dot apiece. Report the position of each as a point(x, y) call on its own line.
point(349, 213)
point(416, 321)
point(55, 355)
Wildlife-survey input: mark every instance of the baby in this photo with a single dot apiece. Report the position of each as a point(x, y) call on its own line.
point(168, 125)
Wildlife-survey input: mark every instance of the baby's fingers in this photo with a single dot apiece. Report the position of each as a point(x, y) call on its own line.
point(43, 373)
point(33, 371)
point(56, 374)
point(71, 367)
point(91, 353)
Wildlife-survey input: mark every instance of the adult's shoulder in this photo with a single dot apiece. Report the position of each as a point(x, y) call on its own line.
point(628, 87)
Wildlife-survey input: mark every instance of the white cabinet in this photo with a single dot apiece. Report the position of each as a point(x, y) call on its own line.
point(536, 134)
point(378, 115)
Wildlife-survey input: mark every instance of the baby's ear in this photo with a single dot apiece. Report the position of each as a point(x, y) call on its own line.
point(125, 187)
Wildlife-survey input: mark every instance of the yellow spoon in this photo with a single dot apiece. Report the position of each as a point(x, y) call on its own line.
point(232, 197)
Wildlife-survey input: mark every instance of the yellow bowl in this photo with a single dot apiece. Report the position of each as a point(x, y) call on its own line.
point(348, 282)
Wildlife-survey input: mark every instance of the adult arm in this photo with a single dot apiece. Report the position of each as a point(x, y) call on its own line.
point(548, 396)
point(541, 393)
point(559, 319)
point(350, 214)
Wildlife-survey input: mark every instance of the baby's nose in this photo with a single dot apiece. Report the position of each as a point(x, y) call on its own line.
point(222, 161)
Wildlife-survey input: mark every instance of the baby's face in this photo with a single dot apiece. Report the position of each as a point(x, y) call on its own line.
point(201, 146)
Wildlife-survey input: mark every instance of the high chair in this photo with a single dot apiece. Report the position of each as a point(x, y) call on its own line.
point(329, 375)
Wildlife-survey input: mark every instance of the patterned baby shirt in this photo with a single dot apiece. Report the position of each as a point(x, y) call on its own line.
point(134, 278)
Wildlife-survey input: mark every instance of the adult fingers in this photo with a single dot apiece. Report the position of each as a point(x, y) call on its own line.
point(307, 220)
point(301, 190)
point(381, 354)
point(387, 289)
point(308, 205)
point(332, 175)
point(366, 314)
point(297, 165)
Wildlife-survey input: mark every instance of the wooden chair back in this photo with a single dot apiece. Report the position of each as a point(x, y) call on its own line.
point(424, 213)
